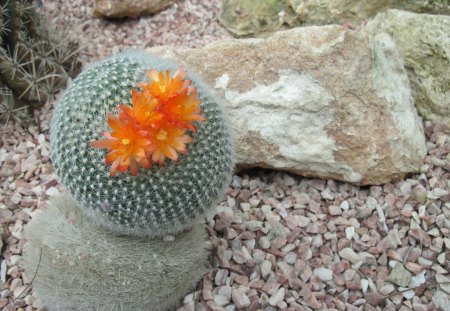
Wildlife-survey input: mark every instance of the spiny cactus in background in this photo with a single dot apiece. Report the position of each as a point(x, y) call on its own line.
point(8, 111)
point(158, 200)
point(35, 61)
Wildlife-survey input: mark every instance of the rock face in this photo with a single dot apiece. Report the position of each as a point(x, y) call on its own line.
point(129, 8)
point(423, 41)
point(315, 101)
point(249, 17)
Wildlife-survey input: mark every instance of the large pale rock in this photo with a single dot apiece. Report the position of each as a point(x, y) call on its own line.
point(316, 101)
point(129, 8)
point(250, 17)
point(322, 12)
point(423, 40)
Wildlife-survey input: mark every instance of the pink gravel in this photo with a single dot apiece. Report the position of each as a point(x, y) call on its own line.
point(277, 241)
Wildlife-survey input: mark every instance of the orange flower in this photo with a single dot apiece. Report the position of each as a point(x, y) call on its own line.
point(154, 127)
point(163, 86)
point(143, 110)
point(169, 140)
point(127, 144)
point(182, 109)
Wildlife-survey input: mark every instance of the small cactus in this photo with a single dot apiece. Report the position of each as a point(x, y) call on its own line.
point(33, 62)
point(162, 199)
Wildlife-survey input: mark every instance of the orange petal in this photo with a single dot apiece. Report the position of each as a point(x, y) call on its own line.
point(154, 75)
point(145, 163)
point(114, 166)
point(184, 139)
point(133, 166)
point(179, 146)
point(171, 153)
point(180, 74)
point(112, 157)
point(101, 144)
point(114, 122)
point(157, 156)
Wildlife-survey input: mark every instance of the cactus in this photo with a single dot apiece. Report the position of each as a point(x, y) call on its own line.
point(159, 200)
point(7, 109)
point(81, 267)
point(34, 62)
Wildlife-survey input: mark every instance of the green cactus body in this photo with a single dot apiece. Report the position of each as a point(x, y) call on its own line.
point(159, 200)
point(35, 61)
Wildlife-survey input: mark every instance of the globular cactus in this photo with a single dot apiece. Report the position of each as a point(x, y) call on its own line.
point(159, 200)
point(34, 61)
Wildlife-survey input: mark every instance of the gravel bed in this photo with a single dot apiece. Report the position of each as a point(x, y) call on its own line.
point(190, 23)
point(277, 241)
point(291, 243)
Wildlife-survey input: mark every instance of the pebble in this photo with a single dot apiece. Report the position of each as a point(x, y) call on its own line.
point(330, 236)
point(387, 289)
point(441, 300)
point(21, 291)
point(444, 282)
point(291, 258)
point(371, 203)
point(424, 262)
point(323, 274)
point(3, 270)
point(349, 232)
point(364, 285)
point(188, 298)
point(302, 221)
point(438, 193)
point(221, 276)
point(15, 284)
point(350, 255)
point(221, 300)
point(253, 225)
point(245, 207)
point(447, 243)
point(266, 268)
point(400, 276)
point(240, 299)
point(334, 210)
point(52, 191)
point(277, 297)
point(264, 242)
point(254, 202)
point(327, 194)
point(408, 295)
point(441, 258)
point(225, 291)
point(344, 205)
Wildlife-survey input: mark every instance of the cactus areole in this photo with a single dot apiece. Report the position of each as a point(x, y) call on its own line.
point(143, 146)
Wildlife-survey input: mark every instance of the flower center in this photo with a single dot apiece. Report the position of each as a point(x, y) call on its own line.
point(162, 135)
point(125, 141)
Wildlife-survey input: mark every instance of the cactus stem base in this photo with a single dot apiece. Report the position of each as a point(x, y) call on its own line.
point(82, 266)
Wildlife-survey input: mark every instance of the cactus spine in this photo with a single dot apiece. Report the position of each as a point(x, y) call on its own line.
point(33, 64)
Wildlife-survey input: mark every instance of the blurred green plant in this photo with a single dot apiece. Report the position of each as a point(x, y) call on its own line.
point(36, 60)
